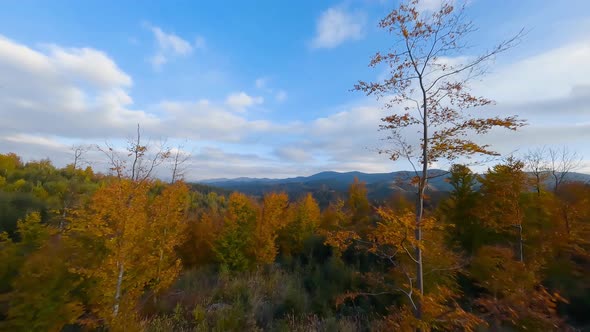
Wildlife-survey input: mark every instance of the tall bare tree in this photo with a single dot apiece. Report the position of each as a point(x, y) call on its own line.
point(562, 161)
point(139, 160)
point(78, 151)
point(179, 158)
point(427, 92)
point(537, 164)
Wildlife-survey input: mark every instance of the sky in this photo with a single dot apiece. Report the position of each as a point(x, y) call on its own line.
point(263, 88)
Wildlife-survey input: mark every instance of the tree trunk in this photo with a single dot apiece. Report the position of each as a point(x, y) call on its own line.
point(420, 205)
point(418, 253)
point(118, 290)
point(64, 215)
point(564, 209)
point(174, 174)
point(160, 261)
point(134, 172)
point(520, 245)
point(555, 181)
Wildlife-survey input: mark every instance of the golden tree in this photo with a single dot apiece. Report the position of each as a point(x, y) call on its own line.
point(427, 91)
point(167, 230)
point(234, 246)
point(304, 219)
point(116, 224)
point(274, 214)
point(501, 206)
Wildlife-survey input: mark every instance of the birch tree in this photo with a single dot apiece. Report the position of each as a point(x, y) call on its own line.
point(427, 92)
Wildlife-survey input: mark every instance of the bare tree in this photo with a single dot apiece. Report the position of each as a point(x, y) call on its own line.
point(179, 159)
point(79, 150)
point(536, 163)
point(428, 82)
point(562, 161)
point(68, 196)
point(145, 161)
point(115, 162)
point(141, 159)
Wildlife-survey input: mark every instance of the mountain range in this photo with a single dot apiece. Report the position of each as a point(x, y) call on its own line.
point(328, 185)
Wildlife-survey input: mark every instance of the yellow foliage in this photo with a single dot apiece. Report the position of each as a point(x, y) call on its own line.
point(135, 239)
point(304, 220)
point(167, 230)
point(273, 219)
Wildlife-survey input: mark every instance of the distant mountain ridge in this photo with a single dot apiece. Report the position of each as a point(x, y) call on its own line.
point(329, 184)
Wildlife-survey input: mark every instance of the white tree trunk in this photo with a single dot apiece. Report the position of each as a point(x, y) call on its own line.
point(118, 290)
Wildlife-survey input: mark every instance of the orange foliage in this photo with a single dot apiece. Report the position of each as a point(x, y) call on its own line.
point(514, 295)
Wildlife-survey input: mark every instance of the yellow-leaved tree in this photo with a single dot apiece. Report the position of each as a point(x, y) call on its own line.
point(501, 206)
point(428, 97)
point(303, 221)
point(234, 246)
point(273, 218)
point(115, 228)
point(129, 237)
point(167, 230)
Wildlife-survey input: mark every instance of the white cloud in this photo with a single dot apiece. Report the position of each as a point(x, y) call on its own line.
point(214, 162)
point(204, 120)
point(432, 5)
point(241, 100)
point(281, 96)
point(74, 61)
point(71, 63)
point(170, 45)
point(72, 92)
point(336, 25)
point(31, 147)
point(58, 96)
point(548, 75)
point(35, 140)
point(171, 42)
point(349, 139)
point(293, 154)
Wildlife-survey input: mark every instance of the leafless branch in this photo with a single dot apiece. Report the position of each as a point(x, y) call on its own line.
point(179, 159)
point(562, 162)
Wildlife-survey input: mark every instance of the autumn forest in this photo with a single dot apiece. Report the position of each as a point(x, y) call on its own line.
point(133, 246)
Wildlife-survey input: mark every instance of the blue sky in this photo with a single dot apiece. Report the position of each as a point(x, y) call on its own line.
point(262, 88)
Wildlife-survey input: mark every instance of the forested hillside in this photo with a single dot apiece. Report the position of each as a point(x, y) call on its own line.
point(82, 250)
